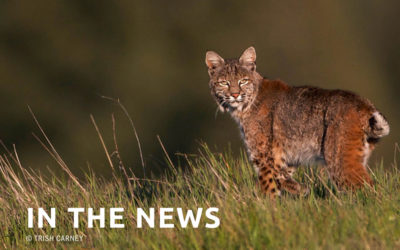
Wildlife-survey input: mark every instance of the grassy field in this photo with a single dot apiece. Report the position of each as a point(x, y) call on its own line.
point(326, 219)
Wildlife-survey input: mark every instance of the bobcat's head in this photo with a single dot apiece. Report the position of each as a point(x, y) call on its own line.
point(233, 82)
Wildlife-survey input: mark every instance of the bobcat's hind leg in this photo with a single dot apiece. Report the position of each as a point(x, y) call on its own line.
point(346, 152)
point(355, 174)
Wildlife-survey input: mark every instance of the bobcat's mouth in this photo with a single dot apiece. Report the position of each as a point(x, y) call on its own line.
point(236, 102)
point(237, 99)
point(231, 102)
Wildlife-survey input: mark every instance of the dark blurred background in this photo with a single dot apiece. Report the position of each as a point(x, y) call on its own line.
point(60, 57)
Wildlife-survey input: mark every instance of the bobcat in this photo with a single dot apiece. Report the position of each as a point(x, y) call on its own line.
point(284, 126)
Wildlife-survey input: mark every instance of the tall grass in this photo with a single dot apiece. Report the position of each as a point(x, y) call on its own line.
point(325, 219)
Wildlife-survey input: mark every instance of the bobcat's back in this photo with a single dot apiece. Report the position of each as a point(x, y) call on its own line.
point(302, 115)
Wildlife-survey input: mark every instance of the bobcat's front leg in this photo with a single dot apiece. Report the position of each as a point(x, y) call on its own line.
point(262, 149)
point(289, 184)
point(274, 174)
point(267, 176)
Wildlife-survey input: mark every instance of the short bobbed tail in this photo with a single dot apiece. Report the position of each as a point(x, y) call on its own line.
point(378, 125)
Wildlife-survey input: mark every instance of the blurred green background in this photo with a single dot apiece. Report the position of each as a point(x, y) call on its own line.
point(60, 57)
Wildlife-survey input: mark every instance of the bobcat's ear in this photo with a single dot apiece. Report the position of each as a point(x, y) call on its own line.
point(213, 61)
point(248, 58)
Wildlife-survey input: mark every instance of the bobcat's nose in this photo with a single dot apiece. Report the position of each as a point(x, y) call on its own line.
point(235, 95)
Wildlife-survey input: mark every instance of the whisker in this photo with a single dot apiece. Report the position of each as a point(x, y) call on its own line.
point(216, 113)
point(218, 108)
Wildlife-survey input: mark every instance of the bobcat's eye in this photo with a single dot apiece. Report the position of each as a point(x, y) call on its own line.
point(243, 81)
point(223, 83)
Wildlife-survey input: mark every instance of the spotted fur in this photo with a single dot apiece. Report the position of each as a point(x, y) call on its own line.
point(284, 126)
